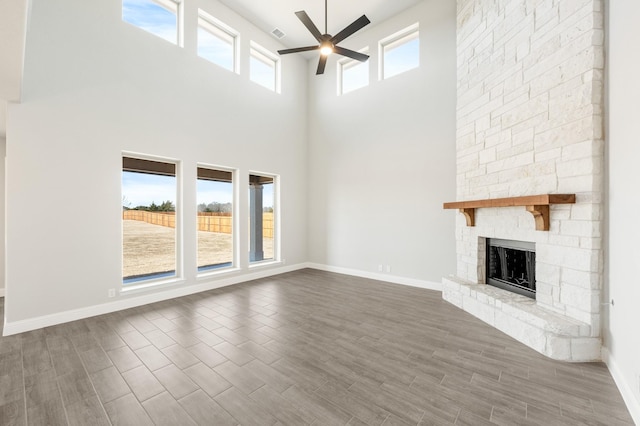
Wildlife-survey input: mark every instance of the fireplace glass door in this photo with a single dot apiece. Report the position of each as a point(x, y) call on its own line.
point(511, 265)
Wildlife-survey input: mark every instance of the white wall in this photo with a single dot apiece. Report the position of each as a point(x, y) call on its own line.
point(3, 146)
point(621, 336)
point(94, 87)
point(382, 158)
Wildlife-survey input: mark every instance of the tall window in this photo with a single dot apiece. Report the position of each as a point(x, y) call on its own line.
point(217, 42)
point(159, 17)
point(352, 74)
point(149, 193)
point(400, 52)
point(215, 220)
point(264, 67)
point(261, 218)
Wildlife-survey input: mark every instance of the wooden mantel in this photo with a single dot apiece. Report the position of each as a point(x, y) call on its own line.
point(537, 205)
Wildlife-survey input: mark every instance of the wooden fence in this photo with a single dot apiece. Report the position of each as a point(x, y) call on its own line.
point(207, 221)
point(167, 219)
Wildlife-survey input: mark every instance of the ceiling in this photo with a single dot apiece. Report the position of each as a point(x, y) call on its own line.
point(280, 14)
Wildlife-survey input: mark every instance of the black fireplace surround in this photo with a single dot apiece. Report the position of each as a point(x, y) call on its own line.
point(511, 265)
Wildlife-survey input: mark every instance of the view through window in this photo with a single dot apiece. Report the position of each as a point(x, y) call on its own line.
point(149, 190)
point(263, 68)
point(159, 17)
point(261, 218)
point(352, 74)
point(216, 43)
point(400, 52)
point(215, 219)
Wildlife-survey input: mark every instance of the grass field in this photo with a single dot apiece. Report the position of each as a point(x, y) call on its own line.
point(150, 248)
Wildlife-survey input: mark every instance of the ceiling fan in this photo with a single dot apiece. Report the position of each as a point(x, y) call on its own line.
point(328, 43)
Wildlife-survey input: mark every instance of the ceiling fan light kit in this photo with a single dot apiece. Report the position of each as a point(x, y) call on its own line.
point(328, 43)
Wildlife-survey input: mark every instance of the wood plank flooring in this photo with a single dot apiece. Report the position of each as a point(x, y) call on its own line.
point(303, 348)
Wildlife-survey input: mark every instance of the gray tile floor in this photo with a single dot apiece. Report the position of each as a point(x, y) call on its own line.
point(306, 347)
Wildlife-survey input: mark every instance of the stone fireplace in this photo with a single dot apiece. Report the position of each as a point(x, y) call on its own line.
point(529, 121)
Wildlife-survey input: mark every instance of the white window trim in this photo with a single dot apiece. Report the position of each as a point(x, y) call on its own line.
point(345, 64)
point(205, 19)
point(179, 276)
point(235, 224)
point(266, 56)
point(403, 36)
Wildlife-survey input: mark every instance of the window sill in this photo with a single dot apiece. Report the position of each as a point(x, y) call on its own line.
point(151, 284)
point(264, 263)
point(220, 272)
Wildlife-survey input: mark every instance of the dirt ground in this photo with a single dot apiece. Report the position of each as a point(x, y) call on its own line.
point(150, 248)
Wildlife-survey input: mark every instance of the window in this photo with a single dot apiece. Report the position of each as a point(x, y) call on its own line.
point(400, 52)
point(261, 218)
point(159, 17)
point(264, 68)
point(215, 219)
point(352, 74)
point(149, 193)
point(217, 42)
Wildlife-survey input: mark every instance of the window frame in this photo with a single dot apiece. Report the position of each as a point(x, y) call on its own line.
point(235, 234)
point(276, 219)
point(397, 39)
point(265, 56)
point(173, 6)
point(206, 19)
point(345, 64)
point(179, 258)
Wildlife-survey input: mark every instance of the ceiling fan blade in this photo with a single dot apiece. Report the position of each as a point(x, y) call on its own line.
point(304, 18)
point(350, 54)
point(298, 49)
point(356, 25)
point(321, 64)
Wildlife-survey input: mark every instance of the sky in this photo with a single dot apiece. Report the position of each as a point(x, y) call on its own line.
point(402, 58)
point(262, 73)
point(214, 49)
point(211, 191)
point(151, 17)
point(355, 77)
point(140, 189)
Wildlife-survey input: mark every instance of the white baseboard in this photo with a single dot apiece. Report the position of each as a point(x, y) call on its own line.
point(633, 404)
point(412, 282)
point(15, 327)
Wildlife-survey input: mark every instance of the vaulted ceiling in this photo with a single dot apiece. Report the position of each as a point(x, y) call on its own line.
point(280, 14)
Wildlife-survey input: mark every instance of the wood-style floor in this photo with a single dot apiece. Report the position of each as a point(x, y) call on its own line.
point(306, 347)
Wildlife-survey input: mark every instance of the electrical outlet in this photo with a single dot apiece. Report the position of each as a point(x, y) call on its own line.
point(112, 292)
point(284, 261)
point(380, 268)
point(388, 268)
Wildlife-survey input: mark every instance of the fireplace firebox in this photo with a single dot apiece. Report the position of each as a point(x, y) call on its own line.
point(511, 265)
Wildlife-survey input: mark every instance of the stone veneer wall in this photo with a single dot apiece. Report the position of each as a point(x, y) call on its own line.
point(529, 121)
